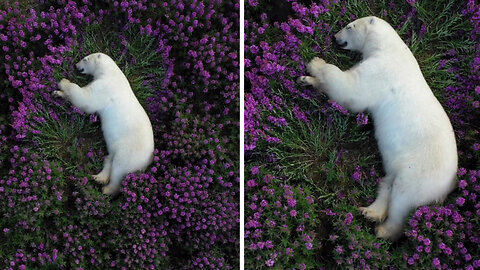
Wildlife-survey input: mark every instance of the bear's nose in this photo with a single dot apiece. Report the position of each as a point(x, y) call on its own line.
point(341, 43)
point(79, 68)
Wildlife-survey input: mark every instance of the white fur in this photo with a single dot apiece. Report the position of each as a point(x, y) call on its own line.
point(413, 131)
point(125, 124)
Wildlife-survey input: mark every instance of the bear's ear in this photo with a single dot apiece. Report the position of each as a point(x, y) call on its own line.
point(372, 20)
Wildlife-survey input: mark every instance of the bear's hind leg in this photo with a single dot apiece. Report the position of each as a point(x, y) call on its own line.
point(104, 176)
point(377, 211)
point(400, 206)
point(118, 172)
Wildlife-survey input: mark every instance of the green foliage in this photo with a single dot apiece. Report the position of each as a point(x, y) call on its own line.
point(69, 140)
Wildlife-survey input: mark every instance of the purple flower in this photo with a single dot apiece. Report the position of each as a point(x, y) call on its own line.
point(426, 241)
point(348, 219)
point(292, 202)
point(362, 119)
point(476, 146)
point(263, 203)
point(357, 175)
point(462, 184)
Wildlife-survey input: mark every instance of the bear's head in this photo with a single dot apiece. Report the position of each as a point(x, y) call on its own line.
point(357, 34)
point(95, 64)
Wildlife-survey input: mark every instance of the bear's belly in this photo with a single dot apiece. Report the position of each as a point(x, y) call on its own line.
point(414, 134)
point(124, 125)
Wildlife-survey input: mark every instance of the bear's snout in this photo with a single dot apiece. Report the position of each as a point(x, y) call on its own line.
point(79, 67)
point(341, 43)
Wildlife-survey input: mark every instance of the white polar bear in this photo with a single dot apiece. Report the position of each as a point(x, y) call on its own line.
point(414, 134)
point(125, 124)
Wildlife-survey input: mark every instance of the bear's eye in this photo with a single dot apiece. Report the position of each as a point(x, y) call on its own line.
point(349, 27)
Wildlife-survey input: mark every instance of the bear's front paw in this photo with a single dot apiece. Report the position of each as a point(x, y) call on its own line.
point(59, 94)
point(63, 84)
point(316, 62)
point(306, 80)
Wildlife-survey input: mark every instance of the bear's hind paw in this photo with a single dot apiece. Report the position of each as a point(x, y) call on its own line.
point(109, 190)
point(387, 232)
point(373, 215)
point(381, 232)
point(100, 179)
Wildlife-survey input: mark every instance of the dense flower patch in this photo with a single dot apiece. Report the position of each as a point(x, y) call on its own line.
point(181, 58)
point(310, 163)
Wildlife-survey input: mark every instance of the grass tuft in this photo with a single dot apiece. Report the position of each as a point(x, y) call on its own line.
point(69, 141)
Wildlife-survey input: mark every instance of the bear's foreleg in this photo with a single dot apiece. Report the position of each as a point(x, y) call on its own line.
point(340, 86)
point(78, 96)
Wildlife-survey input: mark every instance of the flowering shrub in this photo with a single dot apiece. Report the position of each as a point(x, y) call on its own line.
point(181, 59)
point(299, 140)
point(447, 236)
point(281, 214)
